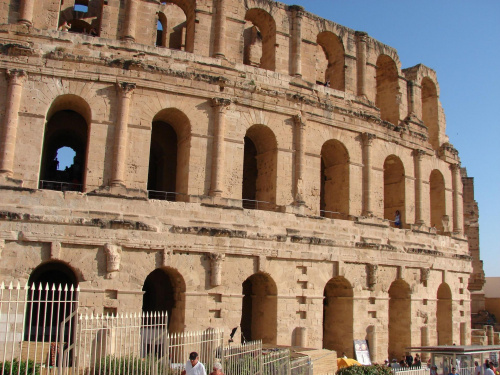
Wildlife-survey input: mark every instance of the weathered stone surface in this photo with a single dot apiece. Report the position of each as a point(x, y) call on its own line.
point(248, 163)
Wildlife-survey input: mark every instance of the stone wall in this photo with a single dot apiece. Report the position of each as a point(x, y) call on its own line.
point(285, 169)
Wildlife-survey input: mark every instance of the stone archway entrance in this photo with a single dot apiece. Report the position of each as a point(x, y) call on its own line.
point(259, 309)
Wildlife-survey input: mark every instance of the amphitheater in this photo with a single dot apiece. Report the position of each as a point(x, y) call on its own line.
point(237, 163)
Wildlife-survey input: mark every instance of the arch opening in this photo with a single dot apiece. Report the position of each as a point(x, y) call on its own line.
point(51, 299)
point(259, 37)
point(179, 25)
point(330, 64)
point(338, 333)
point(399, 318)
point(82, 18)
point(259, 168)
point(259, 309)
point(430, 111)
point(66, 129)
point(169, 156)
point(444, 315)
point(394, 188)
point(334, 193)
point(437, 200)
point(387, 79)
point(164, 291)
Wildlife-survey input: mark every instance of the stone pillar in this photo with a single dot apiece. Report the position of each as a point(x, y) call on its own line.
point(411, 97)
point(218, 146)
point(220, 30)
point(300, 127)
point(16, 79)
point(125, 90)
point(216, 268)
point(367, 180)
point(361, 61)
point(26, 12)
point(418, 156)
point(458, 206)
point(130, 20)
point(297, 14)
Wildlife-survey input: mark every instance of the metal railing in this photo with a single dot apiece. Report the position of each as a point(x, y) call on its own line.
point(42, 334)
point(410, 371)
point(59, 186)
point(301, 366)
point(242, 359)
point(276, 362)
point(37, 324)
point(336, 215)
point(252, 204)
point(165, 195)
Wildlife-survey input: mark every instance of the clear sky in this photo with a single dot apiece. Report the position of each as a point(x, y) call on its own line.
point(460, 40)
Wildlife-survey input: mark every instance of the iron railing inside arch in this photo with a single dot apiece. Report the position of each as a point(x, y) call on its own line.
point(59, 186)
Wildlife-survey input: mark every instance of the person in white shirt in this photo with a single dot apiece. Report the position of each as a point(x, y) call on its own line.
point(194, 366)
point(489, 370)
point(477, 368)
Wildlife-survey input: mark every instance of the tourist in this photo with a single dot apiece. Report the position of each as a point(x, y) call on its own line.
point(477, 368)
point(217, 369)
point(409, 357)
point(453, 371)
point(489, 370)
point(397, 221)
point(194, 366)
point(418, 362)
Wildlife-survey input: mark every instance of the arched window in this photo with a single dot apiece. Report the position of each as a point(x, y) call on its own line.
point(330, 61)
point(259, 39)
point(169, 155)
point(394, 188)
point(430, 111)
point(259, 309)
point(334, 195)
point(66, 136)
point(444, 315)
point(387, 89)
point(51, 299)
point(177, 18)
point(338, 316)
point(259, 168)
point(83, 17)
point(438, 200)
point(400, 328)
point(161, 28)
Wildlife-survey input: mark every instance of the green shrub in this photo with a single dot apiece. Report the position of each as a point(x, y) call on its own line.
point(365, 370)
point(17, 367)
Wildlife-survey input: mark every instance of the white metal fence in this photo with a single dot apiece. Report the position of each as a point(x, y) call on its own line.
point(42, 334)
point(410, 371)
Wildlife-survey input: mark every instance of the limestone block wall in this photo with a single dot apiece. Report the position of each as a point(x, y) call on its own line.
point(251, 166)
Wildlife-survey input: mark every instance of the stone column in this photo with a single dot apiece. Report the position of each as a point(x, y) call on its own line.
point(16, 78)
point(367, 180)
point(130, 20)
point(218, 146)
point(220, 30)
point(297, 14)
point(458, 208)
point(216, 261)
point(125, 90)
point(361, 61)
point(300, 151)
point(411, 97)
point(418, 156)
point(26, 12)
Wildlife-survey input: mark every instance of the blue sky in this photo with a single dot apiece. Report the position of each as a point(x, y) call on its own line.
point(460, 40)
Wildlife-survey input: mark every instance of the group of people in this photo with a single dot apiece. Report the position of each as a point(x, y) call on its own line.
point(406, 362)
point(195, 367)
point(488, 368)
